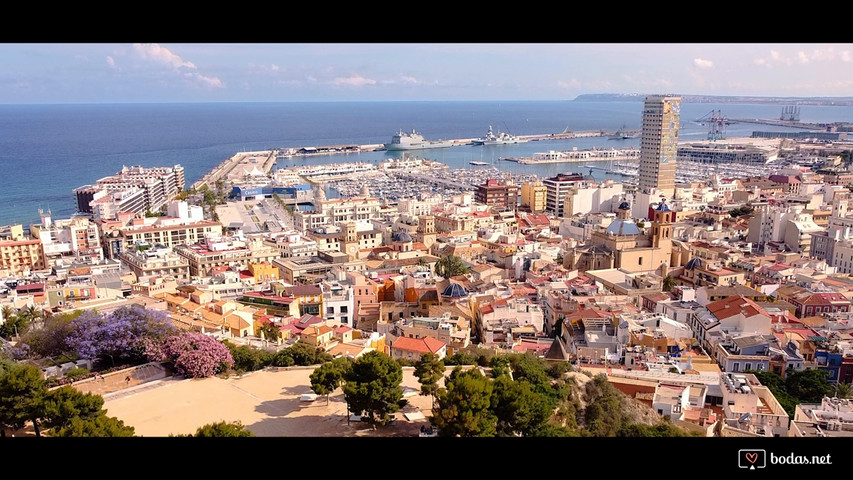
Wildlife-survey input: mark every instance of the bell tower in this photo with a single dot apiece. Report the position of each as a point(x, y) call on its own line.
point(349, 245)
point(426, 229)
point(662, 226)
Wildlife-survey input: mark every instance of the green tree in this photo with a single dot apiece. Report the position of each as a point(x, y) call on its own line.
point(248, 359)
point(270, 332)
point(500, 365)
point(372, 387)
point(463, 408)
point(305, 355)
point(51, 339)
point(449, 266)
point(22, 390)
point(429, 370)
point(98, 426)
point(809, 386)
point(668, 283)
point(462, 357)
point(221, 429)
point(326, 378)
point(776, 384)
point(18, 323)
point(604, 415)
point(663, 429)
point(65, 403)
point(519, 410)
point(842, 390)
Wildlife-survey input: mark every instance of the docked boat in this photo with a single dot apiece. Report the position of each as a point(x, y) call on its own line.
point(414, 141)
point(502, 138)
point(622, 134)
point(475, 162)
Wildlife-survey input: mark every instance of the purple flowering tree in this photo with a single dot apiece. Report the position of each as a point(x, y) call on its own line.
point(197, 355)
point(130, 334)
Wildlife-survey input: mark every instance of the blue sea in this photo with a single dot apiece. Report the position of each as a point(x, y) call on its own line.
point(49, 150)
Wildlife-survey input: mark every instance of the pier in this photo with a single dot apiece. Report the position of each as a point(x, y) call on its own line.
point(224, 169)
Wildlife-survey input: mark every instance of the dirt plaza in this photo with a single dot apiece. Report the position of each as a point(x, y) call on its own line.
point(266, 402)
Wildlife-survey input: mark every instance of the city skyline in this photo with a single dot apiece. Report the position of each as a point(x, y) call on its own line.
point(230, 72)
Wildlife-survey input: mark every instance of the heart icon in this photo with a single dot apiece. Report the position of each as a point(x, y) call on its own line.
point(752, 457)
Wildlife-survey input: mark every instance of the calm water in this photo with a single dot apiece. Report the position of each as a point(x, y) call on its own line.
point(48, 150)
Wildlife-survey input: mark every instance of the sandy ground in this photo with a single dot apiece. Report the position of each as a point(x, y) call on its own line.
point(266, 402)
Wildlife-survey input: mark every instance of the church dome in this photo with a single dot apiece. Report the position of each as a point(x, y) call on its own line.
point(693, 263)
point(454, 290)
point(623, 227)
point(624, 206)
point(662, 207)
point(402, 237)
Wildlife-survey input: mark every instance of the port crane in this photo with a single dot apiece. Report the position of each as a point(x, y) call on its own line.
point(717, 123)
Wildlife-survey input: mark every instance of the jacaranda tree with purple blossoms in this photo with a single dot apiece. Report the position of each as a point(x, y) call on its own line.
point(197, 355)
point(130, 334)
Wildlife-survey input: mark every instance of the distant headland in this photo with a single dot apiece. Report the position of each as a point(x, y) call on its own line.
point(630, 97)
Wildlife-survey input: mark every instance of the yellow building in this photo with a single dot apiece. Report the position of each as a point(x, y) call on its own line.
point(12, 232)
point(317, 336)
point(263, 272)
point(19, 257)
point(533, 196)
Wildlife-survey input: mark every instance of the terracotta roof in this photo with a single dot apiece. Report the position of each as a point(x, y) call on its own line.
point(419, 345)
point(823, 298)
point(731, 306)
point(301, 290)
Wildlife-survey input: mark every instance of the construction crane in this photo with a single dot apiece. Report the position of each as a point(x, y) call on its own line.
point(717, 123)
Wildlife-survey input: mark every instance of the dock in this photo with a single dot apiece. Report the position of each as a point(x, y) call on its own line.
point(247, 160)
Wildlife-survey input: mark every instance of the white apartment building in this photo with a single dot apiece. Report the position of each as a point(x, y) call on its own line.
point(292, 244)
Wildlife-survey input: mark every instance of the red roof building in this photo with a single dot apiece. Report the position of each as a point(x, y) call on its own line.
point(413, 348)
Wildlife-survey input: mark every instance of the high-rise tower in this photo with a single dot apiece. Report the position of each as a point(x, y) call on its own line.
point(659, 144)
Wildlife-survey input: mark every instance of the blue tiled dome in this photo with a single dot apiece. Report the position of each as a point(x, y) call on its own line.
point(454, 290)
point(693, 263)
point(624, 206)
point(662, 207)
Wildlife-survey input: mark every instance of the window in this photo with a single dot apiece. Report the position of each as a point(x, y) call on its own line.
point(640, 261)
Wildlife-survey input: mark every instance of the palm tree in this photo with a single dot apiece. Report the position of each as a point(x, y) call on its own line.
point(668, 283)
point(450, 266)
point(842, 390)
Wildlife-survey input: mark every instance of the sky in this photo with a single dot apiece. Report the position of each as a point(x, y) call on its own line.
point(45, 73)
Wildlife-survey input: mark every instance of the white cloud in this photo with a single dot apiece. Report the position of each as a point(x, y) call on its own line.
point(162, 55)
point(829, 54)
point(409, 79)
point(264, 67)
point(205, 81)
point(111, 62)
point(353, 81)
point(573, 83)
point(702, 63)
